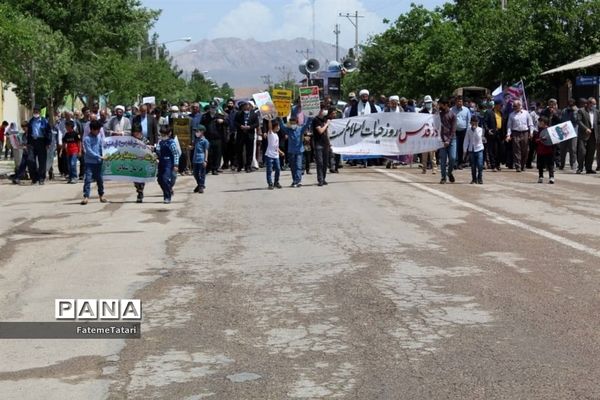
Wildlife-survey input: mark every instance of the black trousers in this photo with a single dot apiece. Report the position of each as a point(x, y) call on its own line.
point(214, 155)
point(63, 163)
point(322, 160)
point(585, 152)
point(245, 145)
point(38, 160)
point(460, 140)
point(508, 154)
point(307, 159)
point(532, 153)
point(81, 166)
point(545, 161)
point(493, 147)
point(229, 153)
point(183, 160)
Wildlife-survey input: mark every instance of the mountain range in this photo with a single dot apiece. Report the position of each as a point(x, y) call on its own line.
point(247, 63)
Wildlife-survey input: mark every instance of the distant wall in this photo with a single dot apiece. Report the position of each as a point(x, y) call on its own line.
point(11, 109)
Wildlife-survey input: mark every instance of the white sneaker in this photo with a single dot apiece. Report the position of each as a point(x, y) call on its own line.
point(540, 180)
point(551, 181)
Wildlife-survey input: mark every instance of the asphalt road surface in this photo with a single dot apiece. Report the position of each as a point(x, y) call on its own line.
point(381, 285)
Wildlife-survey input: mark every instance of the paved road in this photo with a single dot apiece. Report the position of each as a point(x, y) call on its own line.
point(382, 285)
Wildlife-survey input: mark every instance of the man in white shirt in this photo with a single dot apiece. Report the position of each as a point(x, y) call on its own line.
point(519, 130)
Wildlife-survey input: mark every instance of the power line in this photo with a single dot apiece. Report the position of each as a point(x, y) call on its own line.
point(304, 53)
point(355, 23)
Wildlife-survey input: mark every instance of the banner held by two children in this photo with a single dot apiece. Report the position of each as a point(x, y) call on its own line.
point(128, 160)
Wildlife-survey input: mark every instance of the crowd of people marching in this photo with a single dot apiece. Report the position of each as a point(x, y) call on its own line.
point(489, 134)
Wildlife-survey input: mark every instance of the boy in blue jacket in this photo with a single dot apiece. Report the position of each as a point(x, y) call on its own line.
point(200, 158)
point(295, 137)
point(168, 160)
point(93, 157)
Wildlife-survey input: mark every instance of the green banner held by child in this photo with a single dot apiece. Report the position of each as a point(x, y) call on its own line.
point(128, 160)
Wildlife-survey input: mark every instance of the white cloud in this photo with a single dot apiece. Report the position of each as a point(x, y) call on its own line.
point(249, 19)
point(255, 19)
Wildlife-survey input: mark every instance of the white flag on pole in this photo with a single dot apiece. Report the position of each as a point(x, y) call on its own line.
point(497, 91)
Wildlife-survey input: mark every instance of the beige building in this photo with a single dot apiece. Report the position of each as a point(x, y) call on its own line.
point(11, 109)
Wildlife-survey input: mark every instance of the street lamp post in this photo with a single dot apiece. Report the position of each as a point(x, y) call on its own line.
point(156, 55)
point(185, 39)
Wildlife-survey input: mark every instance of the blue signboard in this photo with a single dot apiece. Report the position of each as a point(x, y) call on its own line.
point(587, 80)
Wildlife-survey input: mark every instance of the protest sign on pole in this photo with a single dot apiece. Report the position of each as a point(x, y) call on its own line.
point(183, 137)
point(128, 159)
point(181, 129)
point(310, 101)
point(265, 105)
point(560, 133)
point(282, 98)
point(149, 100)
point(387, 134)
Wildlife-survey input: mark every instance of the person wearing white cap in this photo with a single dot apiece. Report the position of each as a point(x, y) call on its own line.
point(364, 106)
point(430, 155)
point(394, 105)
point(118, 125)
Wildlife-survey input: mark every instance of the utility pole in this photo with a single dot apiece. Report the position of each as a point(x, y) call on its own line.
point(355, 23)
point(286, 74)
point(337, 42)
point(267, 80)
point(307, 51)
point(503, 4)
point(313, 26)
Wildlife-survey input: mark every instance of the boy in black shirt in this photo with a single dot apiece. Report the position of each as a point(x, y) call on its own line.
point(321, 144)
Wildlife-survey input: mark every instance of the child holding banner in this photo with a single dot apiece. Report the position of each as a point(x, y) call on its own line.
point(545, 152)
point(136, 132)
point(168, 160)
point(272, 154)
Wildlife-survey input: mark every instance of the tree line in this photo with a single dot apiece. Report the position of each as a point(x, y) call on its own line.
point(478, 43)
point(54, 48)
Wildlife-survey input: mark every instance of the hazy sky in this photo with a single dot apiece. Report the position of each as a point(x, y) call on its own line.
point(264, 20)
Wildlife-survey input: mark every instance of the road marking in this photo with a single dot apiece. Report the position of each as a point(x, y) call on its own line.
point(494, 215)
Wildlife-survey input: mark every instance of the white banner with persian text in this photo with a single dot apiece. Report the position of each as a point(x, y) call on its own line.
point(385, 134)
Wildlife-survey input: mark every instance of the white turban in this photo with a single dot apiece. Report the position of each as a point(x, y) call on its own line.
point(120, 108)
point(394, 98)
point(363, 92)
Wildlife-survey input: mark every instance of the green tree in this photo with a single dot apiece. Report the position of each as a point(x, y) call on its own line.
point(201, 89)
point(475, 42)
point(35, 58)
point(102, 33)
point(226, 92)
